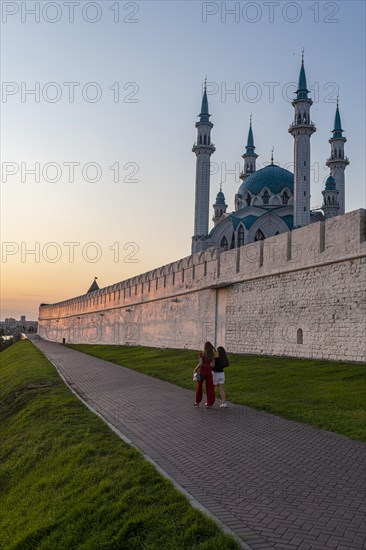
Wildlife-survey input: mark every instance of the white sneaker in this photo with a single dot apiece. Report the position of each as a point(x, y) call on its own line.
point(223, 405)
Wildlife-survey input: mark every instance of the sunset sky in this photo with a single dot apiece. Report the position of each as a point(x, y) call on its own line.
point(124, 92)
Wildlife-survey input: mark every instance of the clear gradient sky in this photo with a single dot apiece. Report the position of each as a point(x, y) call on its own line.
point(154, 56)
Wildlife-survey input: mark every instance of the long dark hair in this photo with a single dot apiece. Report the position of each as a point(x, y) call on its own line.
point(208, 352)
point(224, 361)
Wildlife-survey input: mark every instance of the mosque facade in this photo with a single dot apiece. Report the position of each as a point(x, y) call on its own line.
point(266, 280)
point(271, 200)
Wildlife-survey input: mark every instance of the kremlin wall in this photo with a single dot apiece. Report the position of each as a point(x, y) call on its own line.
point(300, 293)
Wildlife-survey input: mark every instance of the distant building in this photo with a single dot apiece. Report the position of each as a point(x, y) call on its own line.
point(10, 321)
point(11, 325)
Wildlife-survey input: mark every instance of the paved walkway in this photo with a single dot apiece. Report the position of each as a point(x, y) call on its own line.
point(276, 483)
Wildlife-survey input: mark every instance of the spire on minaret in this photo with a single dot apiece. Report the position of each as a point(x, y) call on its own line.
point(204, 114)
point(302, 89)
point(301, 129)
point(272, 159)
point(249, 157)
point(337, 130)
point(250, 142)
point(337, 161)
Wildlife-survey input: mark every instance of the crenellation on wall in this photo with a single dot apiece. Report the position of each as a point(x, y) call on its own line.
point(331, 320)
point(250, 260)
point(309, 245)
point(340, 235)
point(277, 251)
point(316, 273)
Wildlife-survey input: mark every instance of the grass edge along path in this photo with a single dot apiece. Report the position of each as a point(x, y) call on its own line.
point(330, 395)
point(68, 481)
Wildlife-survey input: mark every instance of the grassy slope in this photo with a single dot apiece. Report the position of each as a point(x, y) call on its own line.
point(328, 395)
point(68, 481)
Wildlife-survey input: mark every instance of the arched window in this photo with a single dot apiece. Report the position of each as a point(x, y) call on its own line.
point(232, 245)
point(259, 236)
point(209, 140)
point(328, 200)
point(248, 199)
point(285, 198)
point(224, 243)
point(201, 139)
point(220, 212)
point(241, 235)
point(300, 337)
point(265, 197)
point(204, 140)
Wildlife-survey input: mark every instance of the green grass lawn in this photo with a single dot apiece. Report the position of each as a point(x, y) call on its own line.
point(68, 481)
point(328, 395)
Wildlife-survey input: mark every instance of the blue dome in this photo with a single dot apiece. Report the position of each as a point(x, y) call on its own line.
point(330, 184)
point(220, 198)
point(273, 177)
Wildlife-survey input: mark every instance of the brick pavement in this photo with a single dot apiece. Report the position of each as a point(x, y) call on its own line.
point(276, 483)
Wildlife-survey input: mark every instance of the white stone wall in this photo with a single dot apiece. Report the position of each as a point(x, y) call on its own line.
point(254, 298)
point(317, 301)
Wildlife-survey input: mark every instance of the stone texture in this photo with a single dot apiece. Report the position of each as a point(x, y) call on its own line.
point(254, 299)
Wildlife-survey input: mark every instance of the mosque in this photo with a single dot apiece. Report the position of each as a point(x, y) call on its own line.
point(271, 200)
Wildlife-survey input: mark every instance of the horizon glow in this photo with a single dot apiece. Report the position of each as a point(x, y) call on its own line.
point(109, 126)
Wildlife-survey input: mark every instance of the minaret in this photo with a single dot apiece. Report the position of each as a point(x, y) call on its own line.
point(249, 156)
point(302, 129)
point(331, 205)
point(203, 149)
point(219, 207)
point(337, 161)
point(249, 167)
